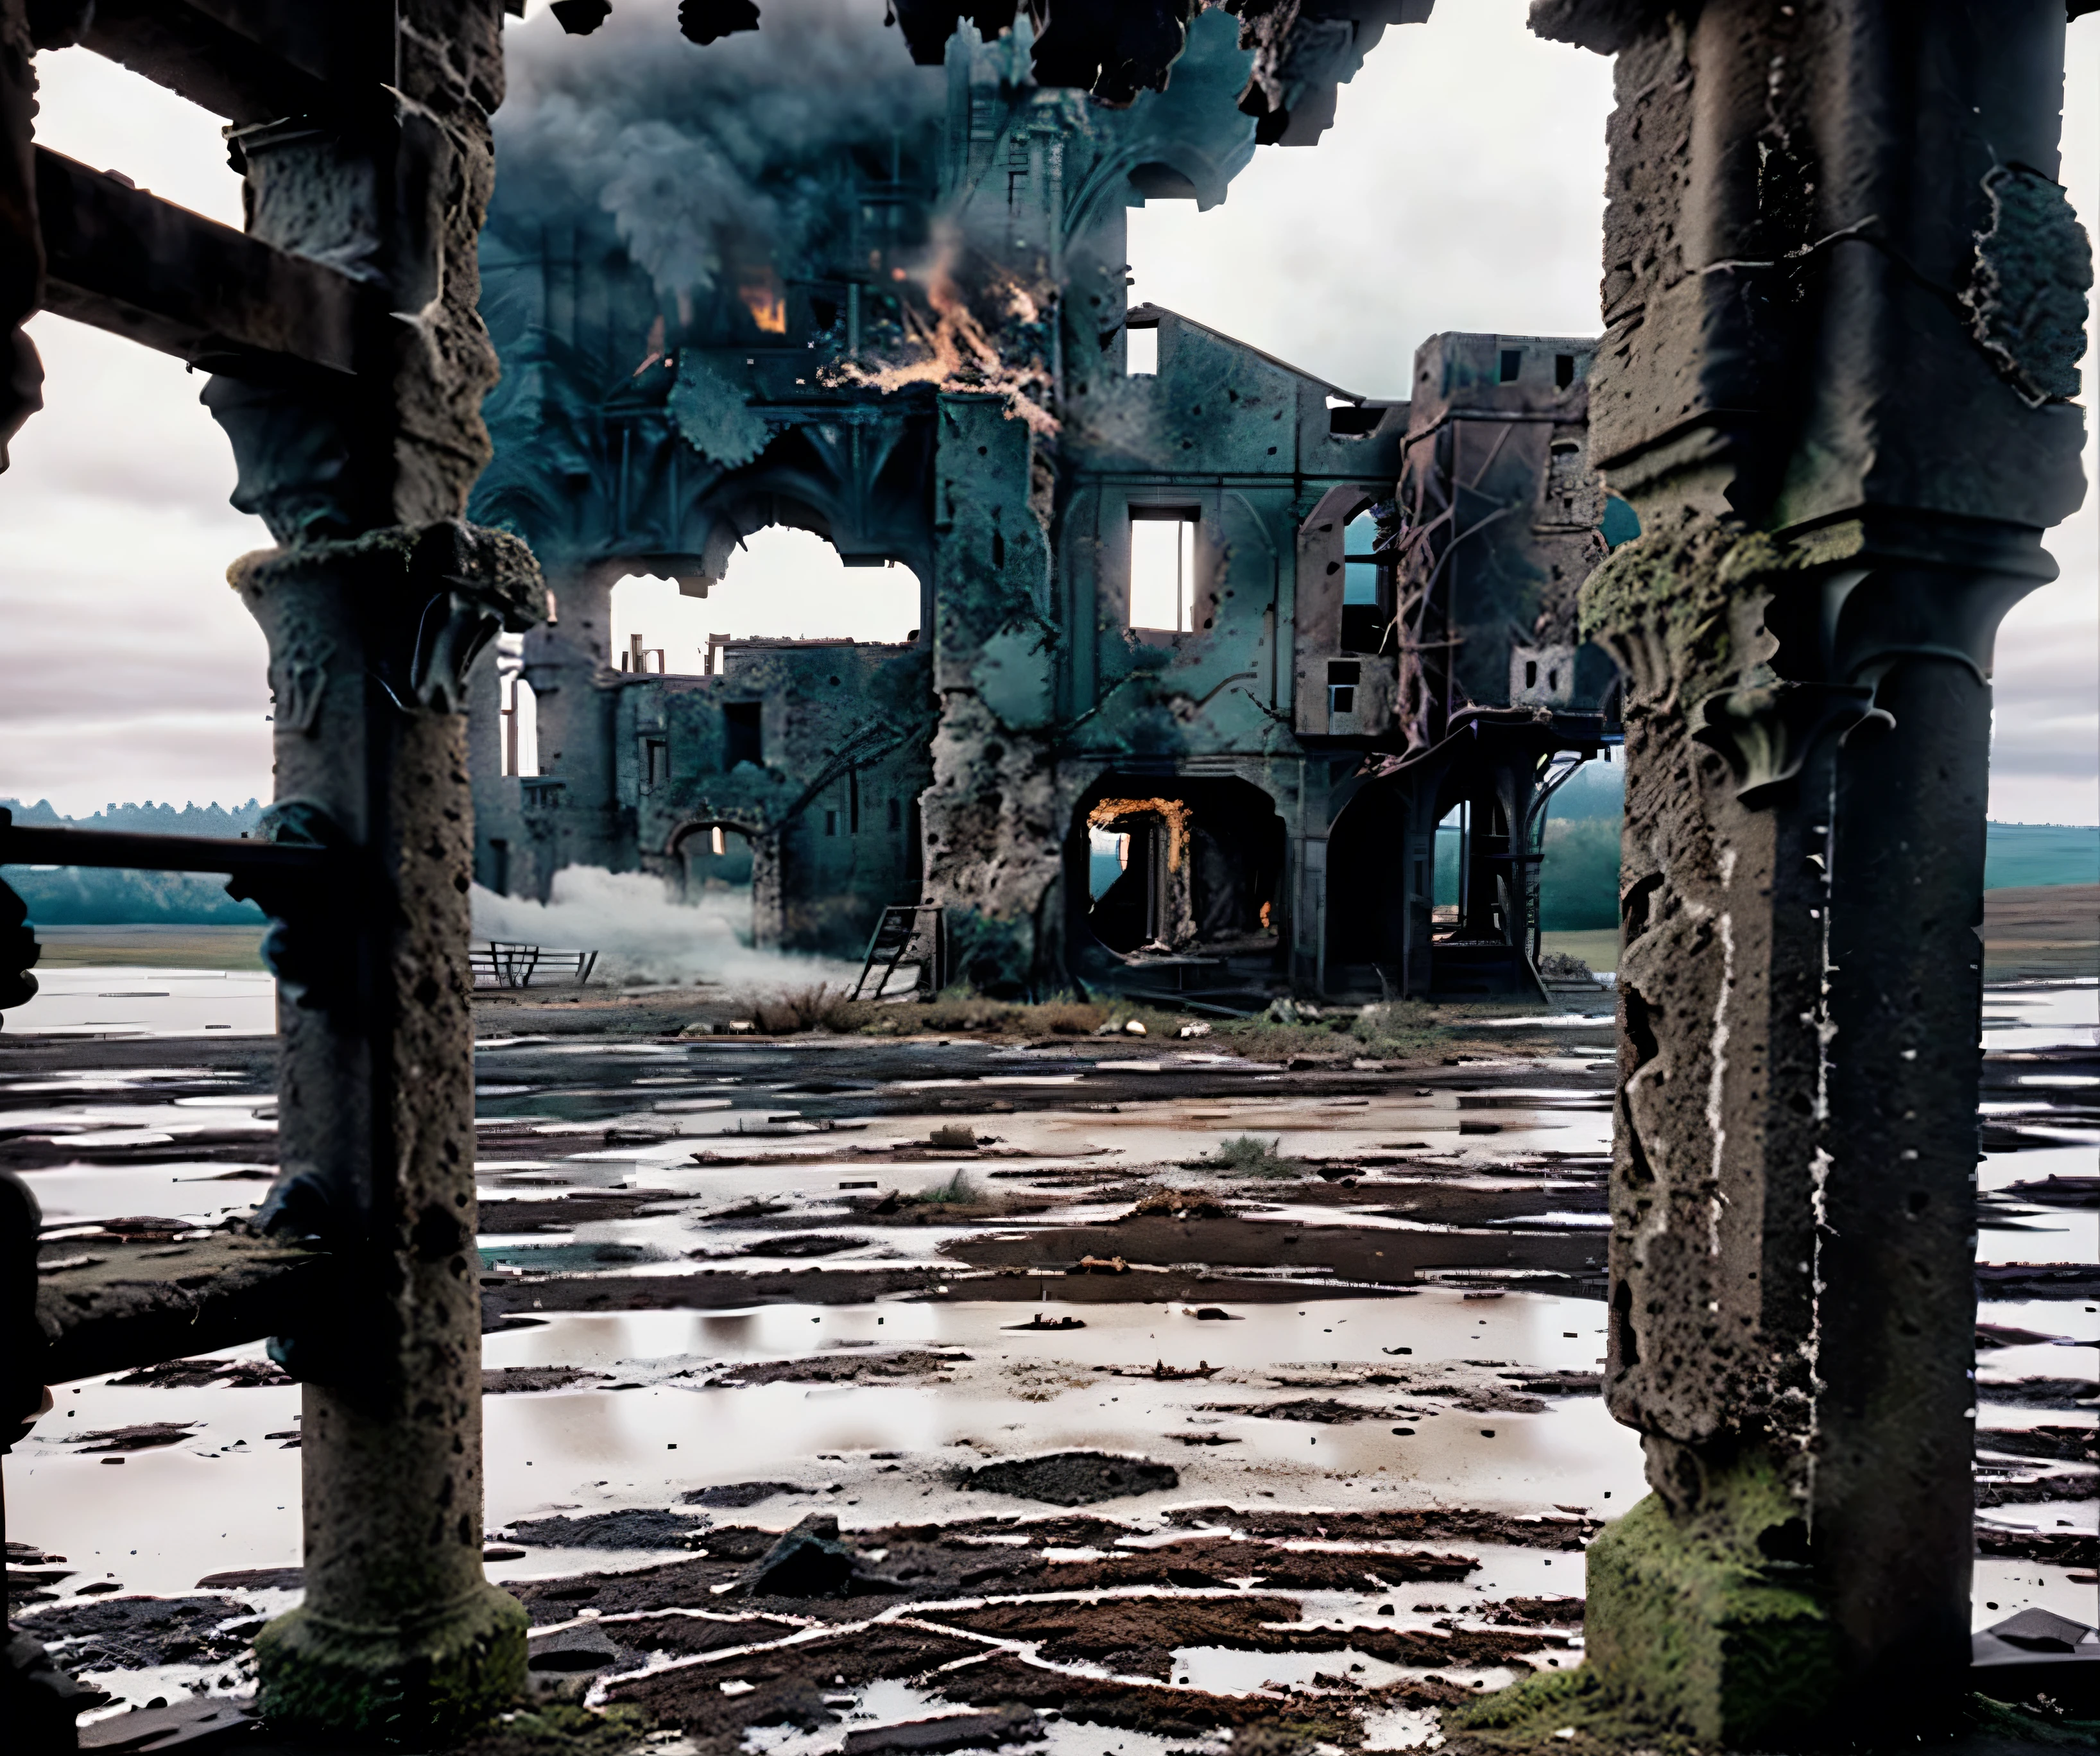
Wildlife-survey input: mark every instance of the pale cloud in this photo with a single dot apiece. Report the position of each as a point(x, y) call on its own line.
point(1460, 188)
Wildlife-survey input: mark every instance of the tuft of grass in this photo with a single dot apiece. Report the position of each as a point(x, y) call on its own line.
point(958, 1191)
point(1244, 1155)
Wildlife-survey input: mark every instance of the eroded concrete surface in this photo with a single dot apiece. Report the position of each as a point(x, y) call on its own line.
point(716, 1313)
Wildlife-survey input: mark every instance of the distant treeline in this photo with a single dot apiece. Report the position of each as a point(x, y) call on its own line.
point(69, 896)
point(1580, 881)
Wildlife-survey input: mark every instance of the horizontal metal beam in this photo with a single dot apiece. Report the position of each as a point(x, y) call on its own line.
point(23, 845)
point(252, 60)
point(145, 269)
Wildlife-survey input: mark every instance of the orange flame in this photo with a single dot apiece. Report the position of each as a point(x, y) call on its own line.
point(762, 299)
point(954, 352)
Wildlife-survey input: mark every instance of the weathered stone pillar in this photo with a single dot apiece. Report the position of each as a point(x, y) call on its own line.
point(1844, 301)
point(375, 606)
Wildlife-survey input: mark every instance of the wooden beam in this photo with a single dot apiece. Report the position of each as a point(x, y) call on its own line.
point(107, 1304)
point(145, 269)
point(252, 60)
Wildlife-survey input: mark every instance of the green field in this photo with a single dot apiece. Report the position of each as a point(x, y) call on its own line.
point(152, 947)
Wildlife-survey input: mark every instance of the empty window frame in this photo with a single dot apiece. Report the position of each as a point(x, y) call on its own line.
point(1163, 569)
point(656, 760)
point(743, 735)
point(1141, 350)
point(1512, 364)
point(1344, 677)
point(1366, 587)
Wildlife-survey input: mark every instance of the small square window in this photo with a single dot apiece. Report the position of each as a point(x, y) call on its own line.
point(1341, 698)
point(1512, 363)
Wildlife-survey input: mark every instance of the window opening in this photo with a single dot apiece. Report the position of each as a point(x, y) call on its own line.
point(1564, 370)
point(831, 822)
point(1343, 677)
point(1162, 569)
point(743, 733)
point(1449, 868)
point(852, 800)
point(896, 815)
point(1366, 587)
point(656, 760)
point(1512, 363)
point(518, 709)
point(1141, 350)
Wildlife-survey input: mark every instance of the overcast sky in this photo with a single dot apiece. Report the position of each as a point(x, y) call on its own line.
point(1460, 188)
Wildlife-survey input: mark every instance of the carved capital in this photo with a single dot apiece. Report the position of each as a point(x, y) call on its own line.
point(1765, 733)
point(425, 601)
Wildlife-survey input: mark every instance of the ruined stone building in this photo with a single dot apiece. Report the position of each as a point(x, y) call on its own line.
point(1262, 631)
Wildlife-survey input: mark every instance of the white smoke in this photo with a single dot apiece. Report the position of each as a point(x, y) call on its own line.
point(642, 935)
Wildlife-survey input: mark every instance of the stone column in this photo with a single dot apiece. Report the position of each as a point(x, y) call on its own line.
point(1844, 301)
point(376, 605)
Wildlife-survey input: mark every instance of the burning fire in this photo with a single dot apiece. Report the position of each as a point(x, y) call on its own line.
point(763, 299)
point(953, 351)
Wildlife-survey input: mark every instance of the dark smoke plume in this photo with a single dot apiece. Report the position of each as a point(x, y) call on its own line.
point(707, 159)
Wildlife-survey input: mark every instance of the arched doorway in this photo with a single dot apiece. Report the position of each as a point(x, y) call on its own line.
point(716, 867)
point(1181, 872)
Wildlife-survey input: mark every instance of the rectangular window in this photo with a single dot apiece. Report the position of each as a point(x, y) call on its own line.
point(1512, 363)
point(743, 736)
point(656, 761)
point(1564, 370)
point(831, 822)
point(1162, 569)
point(1343, 676)
point(896, 815)
point(1141, 350)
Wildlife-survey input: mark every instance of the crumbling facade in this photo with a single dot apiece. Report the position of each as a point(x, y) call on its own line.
point(1844, 300)
point(1376, 625)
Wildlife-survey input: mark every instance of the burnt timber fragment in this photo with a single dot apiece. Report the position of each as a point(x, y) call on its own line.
point(1374, 624)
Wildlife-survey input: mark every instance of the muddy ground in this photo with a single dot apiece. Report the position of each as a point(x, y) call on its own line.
point(807, 1423)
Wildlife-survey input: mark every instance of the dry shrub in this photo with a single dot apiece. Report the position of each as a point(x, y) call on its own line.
point(819, 1007)
point(954, 1136)
point(1160, 1202)
point(1067, 1018)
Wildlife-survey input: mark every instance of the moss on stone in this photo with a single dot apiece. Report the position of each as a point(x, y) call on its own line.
point(437, 1682)
point(1681, 608)
point(1699, 1622)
